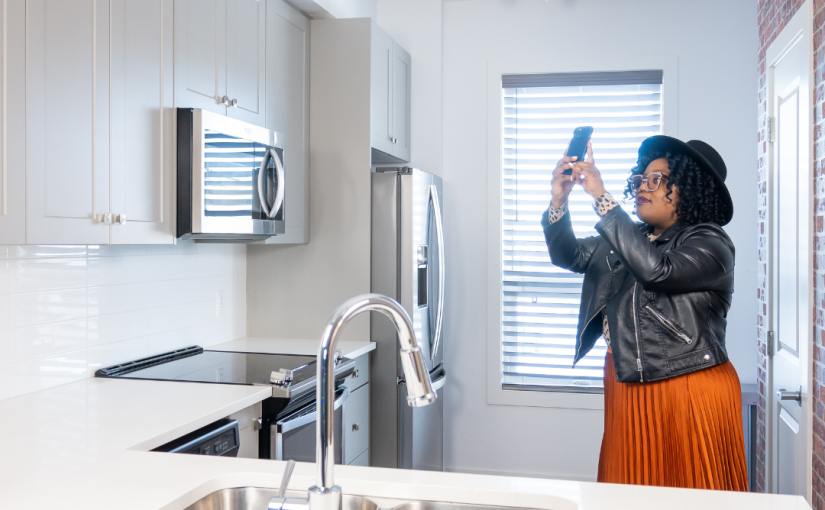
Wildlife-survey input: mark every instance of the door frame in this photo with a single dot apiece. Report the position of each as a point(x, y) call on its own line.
point(798, 30)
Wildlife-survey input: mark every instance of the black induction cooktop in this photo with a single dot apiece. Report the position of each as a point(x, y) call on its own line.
point(194, 364)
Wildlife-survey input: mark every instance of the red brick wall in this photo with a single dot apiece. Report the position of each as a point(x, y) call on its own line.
point(771, 18)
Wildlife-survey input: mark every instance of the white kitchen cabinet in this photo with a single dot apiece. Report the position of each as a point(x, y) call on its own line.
point(287, 109)
point(248, 430)
point(67, 121)
point(12, 123)
point(142, 130)
point(220, 57)
point(389, 99)
point(356, 413)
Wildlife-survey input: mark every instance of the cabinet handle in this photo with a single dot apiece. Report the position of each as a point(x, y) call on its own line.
point(355, 427)
point(121, 219)
point(395, 140)
point(354, 374)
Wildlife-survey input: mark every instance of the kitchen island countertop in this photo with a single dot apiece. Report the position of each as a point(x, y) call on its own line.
point(84, 445)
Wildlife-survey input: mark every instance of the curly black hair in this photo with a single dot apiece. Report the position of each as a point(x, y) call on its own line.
point(698, 200)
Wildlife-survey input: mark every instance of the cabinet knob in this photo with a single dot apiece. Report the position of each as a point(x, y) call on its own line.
point(395, 140)
point(222, 100)
point(354, 374)
point(121, 219)
point(106, 219)
point(234, 103)
point(354, 427)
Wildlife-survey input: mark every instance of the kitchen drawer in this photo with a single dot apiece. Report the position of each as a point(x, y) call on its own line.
point(362, 460)
point(360, 374)
point(356, 423)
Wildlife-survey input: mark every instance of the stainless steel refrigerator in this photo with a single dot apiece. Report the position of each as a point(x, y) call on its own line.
point(407, 265)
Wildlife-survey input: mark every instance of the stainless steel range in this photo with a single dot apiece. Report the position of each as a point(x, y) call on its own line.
point(288, 421)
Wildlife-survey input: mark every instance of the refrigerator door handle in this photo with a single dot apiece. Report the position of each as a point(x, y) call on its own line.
point(440, 381)
point(439, 232)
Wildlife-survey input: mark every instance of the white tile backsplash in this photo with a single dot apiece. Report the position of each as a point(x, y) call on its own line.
point(66, 311)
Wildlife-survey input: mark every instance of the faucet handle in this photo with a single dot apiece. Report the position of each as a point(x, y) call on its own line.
point(281, 502)
point(281, 378)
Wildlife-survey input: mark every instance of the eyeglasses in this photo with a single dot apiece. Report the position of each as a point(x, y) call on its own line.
point(651, 181)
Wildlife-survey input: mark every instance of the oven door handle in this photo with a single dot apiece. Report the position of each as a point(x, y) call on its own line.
point(286, 425)
point(279, 193)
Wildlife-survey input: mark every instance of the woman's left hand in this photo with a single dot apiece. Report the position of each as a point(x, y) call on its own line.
point(586, 174)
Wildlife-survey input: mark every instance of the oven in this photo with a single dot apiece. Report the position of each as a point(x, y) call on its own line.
point(286, 428)
point(293, 435)
point(230, 178)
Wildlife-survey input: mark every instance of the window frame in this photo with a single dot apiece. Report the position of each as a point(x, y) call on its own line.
point(496, 395)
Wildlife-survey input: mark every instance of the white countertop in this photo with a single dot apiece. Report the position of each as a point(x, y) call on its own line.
point(309, 347)
point(84, 446)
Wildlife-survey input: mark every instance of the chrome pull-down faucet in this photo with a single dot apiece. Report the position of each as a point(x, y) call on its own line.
point(325, 495)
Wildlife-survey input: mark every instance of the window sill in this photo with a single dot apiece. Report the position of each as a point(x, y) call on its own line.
point(556, 398)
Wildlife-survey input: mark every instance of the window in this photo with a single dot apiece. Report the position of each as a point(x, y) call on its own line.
point(540, 302)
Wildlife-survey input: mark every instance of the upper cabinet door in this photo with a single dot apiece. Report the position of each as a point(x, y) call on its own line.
point(142, 121)
point(287, 109)
point(246, 60)
point(12, 123)
point(400, 102)
point(381, 91)
point(200, 54)
point(67, 121)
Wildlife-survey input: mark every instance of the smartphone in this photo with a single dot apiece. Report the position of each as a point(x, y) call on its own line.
point(578, 145)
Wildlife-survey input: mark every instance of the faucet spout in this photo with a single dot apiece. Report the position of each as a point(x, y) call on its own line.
point(325, 495)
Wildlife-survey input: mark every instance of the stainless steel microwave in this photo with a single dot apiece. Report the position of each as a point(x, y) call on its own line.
point(230, 178)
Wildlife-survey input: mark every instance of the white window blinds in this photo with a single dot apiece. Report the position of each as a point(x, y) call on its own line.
point(540, 302)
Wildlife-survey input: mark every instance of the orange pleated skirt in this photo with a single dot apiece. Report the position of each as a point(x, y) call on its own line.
point(685, 431)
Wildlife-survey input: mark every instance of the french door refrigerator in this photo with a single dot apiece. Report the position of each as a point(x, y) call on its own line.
point(407, 265)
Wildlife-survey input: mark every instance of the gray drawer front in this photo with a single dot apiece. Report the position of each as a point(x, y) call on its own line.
point(356, 423)
point(360, 374)
point(362, 460)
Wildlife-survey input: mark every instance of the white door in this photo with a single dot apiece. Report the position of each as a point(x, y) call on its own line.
point(200, 54)
point(142, 122)
point(12, 123)
point(789, 105)
point(67, 121)
point(381, 91)
point(246, 60)
point(400, 102)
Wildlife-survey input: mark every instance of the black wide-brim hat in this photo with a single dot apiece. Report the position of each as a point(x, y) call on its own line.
point(703, 154)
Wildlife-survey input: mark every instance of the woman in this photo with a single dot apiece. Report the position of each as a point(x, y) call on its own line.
point(659, 292)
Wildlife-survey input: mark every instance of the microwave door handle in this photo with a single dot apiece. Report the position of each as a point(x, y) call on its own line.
point(261, 183)
point(279, 194)
point(439, 233)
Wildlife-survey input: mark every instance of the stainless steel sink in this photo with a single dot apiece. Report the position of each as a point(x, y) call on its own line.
point(257, 498)
point(434, 505)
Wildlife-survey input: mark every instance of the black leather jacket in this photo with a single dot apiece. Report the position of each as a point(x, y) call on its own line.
point(666, 301)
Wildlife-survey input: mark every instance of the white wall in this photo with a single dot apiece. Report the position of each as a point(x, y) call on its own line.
point(715, 43)
point(66, 311)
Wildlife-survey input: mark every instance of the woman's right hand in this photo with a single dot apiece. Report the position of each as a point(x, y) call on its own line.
point(562, 184)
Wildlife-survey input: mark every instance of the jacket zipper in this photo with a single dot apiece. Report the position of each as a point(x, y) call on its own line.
point(669, 325)
point(636, 328)
point(578, 349)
